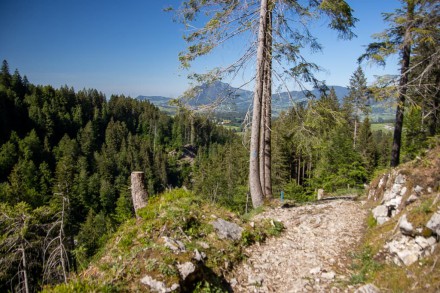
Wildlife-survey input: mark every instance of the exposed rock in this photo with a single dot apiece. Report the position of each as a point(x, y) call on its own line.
point(391, 193)
point(371, 194)
point(408, 250)
point(368, 288)
point(403, 191)
point(158, 286)
point(199, 256)
point(418, 189)
point(400, 179)
point(186, 269)
point(425, 243)
point(174, 244)
point(434, 223)
point(380, 213)
point(382, 180)
point(227, 229)
point(406, 227)
point(412, 198)
point(394, 202)
point(405, 251)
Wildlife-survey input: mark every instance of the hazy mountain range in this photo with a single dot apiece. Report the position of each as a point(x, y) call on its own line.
point(237, 100)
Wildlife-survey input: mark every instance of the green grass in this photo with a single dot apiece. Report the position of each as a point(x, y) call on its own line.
point(387, 127)
point(364, 265)
point(137, 248)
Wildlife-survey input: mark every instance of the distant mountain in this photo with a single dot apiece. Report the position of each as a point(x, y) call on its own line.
point(239, 100)
point(230, 99)
point(224, 96)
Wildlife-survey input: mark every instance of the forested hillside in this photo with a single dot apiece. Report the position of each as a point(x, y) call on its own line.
point(66, 157)
point(65, 162)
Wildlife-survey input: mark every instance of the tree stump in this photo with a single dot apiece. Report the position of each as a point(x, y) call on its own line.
point(138, 193)
point(320, 194)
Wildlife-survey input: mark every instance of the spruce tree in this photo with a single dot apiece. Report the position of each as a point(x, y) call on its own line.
point(415, 24)
point(358, 98)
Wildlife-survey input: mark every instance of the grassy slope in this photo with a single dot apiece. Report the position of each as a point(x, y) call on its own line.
point(137, 248)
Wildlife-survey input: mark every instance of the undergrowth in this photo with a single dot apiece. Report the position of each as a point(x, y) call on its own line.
point(138, 247)
point(365, 266)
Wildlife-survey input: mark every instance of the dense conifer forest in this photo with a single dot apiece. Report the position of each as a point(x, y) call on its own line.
point(65, 162)
point(66, 158)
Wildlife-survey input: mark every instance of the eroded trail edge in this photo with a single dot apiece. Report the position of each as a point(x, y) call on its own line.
point(311, 255)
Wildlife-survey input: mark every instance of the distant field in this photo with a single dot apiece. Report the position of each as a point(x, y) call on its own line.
point(382, 126)
point(232, 127)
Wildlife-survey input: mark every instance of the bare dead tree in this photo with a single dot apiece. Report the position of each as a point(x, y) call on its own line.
point(55, 257)
point(14, 244)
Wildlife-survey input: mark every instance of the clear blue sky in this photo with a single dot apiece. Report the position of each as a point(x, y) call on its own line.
point(131, 47)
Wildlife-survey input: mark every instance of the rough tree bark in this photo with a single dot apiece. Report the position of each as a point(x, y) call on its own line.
point(262, 132)
point(267, 96)
point(254, 166)
point(403, 86)
point(138, 193)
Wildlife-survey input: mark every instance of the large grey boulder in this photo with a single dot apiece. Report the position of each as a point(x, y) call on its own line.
point(434, 223)
point(227, 230)
point(158, 286)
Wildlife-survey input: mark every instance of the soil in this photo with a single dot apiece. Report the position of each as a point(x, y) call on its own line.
point(312, 254)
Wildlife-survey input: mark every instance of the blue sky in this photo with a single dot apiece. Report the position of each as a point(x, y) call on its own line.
point(131, 47)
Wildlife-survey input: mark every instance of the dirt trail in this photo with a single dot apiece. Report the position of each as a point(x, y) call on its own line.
point(311, 254)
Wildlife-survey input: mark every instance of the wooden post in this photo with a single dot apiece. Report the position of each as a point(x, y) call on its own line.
point(138, 193)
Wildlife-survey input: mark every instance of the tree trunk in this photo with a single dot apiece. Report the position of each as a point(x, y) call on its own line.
point(434, 122)
point(403, 86)
point(303, 176)
point(254, 169)
point(193, 131)
point(25, 277)
point(261, 153)
point(138, 193)
point(355, 132)
point(267, 96)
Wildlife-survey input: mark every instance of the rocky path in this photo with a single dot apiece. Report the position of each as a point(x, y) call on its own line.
point(311, 254)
